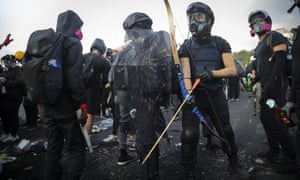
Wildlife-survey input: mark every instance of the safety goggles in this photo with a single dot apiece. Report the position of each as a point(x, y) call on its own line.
point(199, 17)
point(256, 20)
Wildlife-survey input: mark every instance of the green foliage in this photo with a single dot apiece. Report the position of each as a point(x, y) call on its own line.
point(243, 56)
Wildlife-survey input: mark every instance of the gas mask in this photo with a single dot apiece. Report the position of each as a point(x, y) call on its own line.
point(259, 27)
point(199, 25)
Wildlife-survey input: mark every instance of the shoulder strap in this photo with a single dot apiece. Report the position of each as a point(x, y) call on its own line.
point(269, 41)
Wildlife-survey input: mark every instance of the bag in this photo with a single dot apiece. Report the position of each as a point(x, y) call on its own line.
point(88, 69)
point(289, 63)
point(241, 72)
point(43, 66)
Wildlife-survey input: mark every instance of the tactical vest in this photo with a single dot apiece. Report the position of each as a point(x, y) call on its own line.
point(206, 57)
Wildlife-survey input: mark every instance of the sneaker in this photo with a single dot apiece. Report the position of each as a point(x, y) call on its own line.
point(3, 136)
point(126, 159)
point(230, 100)
point(14, 138)
point(10, 138)
point(110, 138)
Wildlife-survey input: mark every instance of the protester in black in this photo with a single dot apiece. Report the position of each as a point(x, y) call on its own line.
point(142, 70)
point(271, 75)
point(62, 126)
point(97, 81)
point(12, 91)
point(209, 58)
point(294, 98)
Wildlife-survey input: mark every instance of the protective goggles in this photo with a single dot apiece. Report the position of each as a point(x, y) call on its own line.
point(256, 20)
point(199, 17)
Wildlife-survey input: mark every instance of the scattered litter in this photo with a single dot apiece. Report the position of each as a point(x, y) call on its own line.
point(23, 144)
point(28, 168)
point(7, 159)
point(259, 161)
point(252, 169)
point(102, 125)
point(178, 144)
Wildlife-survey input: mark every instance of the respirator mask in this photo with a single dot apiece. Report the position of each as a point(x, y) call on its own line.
point(198, 24)
point(259, 27)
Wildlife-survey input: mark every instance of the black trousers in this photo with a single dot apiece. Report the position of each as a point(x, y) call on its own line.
point(9, 107)
point(213, 104)
point(277, 134)
point(31, 111)
point(146, 117)
point(58, 131)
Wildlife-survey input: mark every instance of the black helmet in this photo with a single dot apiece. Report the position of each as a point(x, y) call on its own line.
point(201, 7)
point(138, 20)
point(9, 57)
point(99, 45)
point(259, 14)
point(200, 18)
point(109, 52)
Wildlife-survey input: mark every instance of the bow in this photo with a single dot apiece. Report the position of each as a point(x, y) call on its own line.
point(184, 92)
point(187, 96)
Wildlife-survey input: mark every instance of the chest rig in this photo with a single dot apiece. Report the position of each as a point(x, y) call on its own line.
point(206, 57)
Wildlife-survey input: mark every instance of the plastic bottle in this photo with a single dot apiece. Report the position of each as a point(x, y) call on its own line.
point(282, 114)
point(249, 83)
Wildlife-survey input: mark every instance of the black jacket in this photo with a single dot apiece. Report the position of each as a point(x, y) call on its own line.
point(68, 23)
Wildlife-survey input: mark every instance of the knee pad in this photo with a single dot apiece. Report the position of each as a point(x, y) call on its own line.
point(190, 136)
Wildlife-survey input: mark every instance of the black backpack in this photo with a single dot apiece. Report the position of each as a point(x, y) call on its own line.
point(43, 66)
point(88, 69)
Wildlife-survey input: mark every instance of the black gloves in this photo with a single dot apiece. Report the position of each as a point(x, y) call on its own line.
point(205, 76)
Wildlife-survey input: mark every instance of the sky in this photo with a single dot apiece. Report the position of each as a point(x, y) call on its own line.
point(104, 18)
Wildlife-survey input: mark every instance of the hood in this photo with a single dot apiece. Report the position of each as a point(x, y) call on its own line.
point(68, 23)
point(99, 45)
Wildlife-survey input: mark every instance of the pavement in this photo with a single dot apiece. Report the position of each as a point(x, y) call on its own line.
point(102, 163)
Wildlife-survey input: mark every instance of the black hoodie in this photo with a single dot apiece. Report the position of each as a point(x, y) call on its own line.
point(68, 23)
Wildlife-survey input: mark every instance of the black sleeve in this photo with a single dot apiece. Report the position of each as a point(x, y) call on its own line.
point(223, 45)
point(72, 72)
point(295, 91)
point(183, 50)
point(106, 69)
point(277, 38)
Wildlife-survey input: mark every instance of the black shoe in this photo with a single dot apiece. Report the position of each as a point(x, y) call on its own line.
point(126, 159)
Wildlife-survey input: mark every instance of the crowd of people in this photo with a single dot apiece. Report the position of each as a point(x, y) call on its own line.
point(138, 80)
